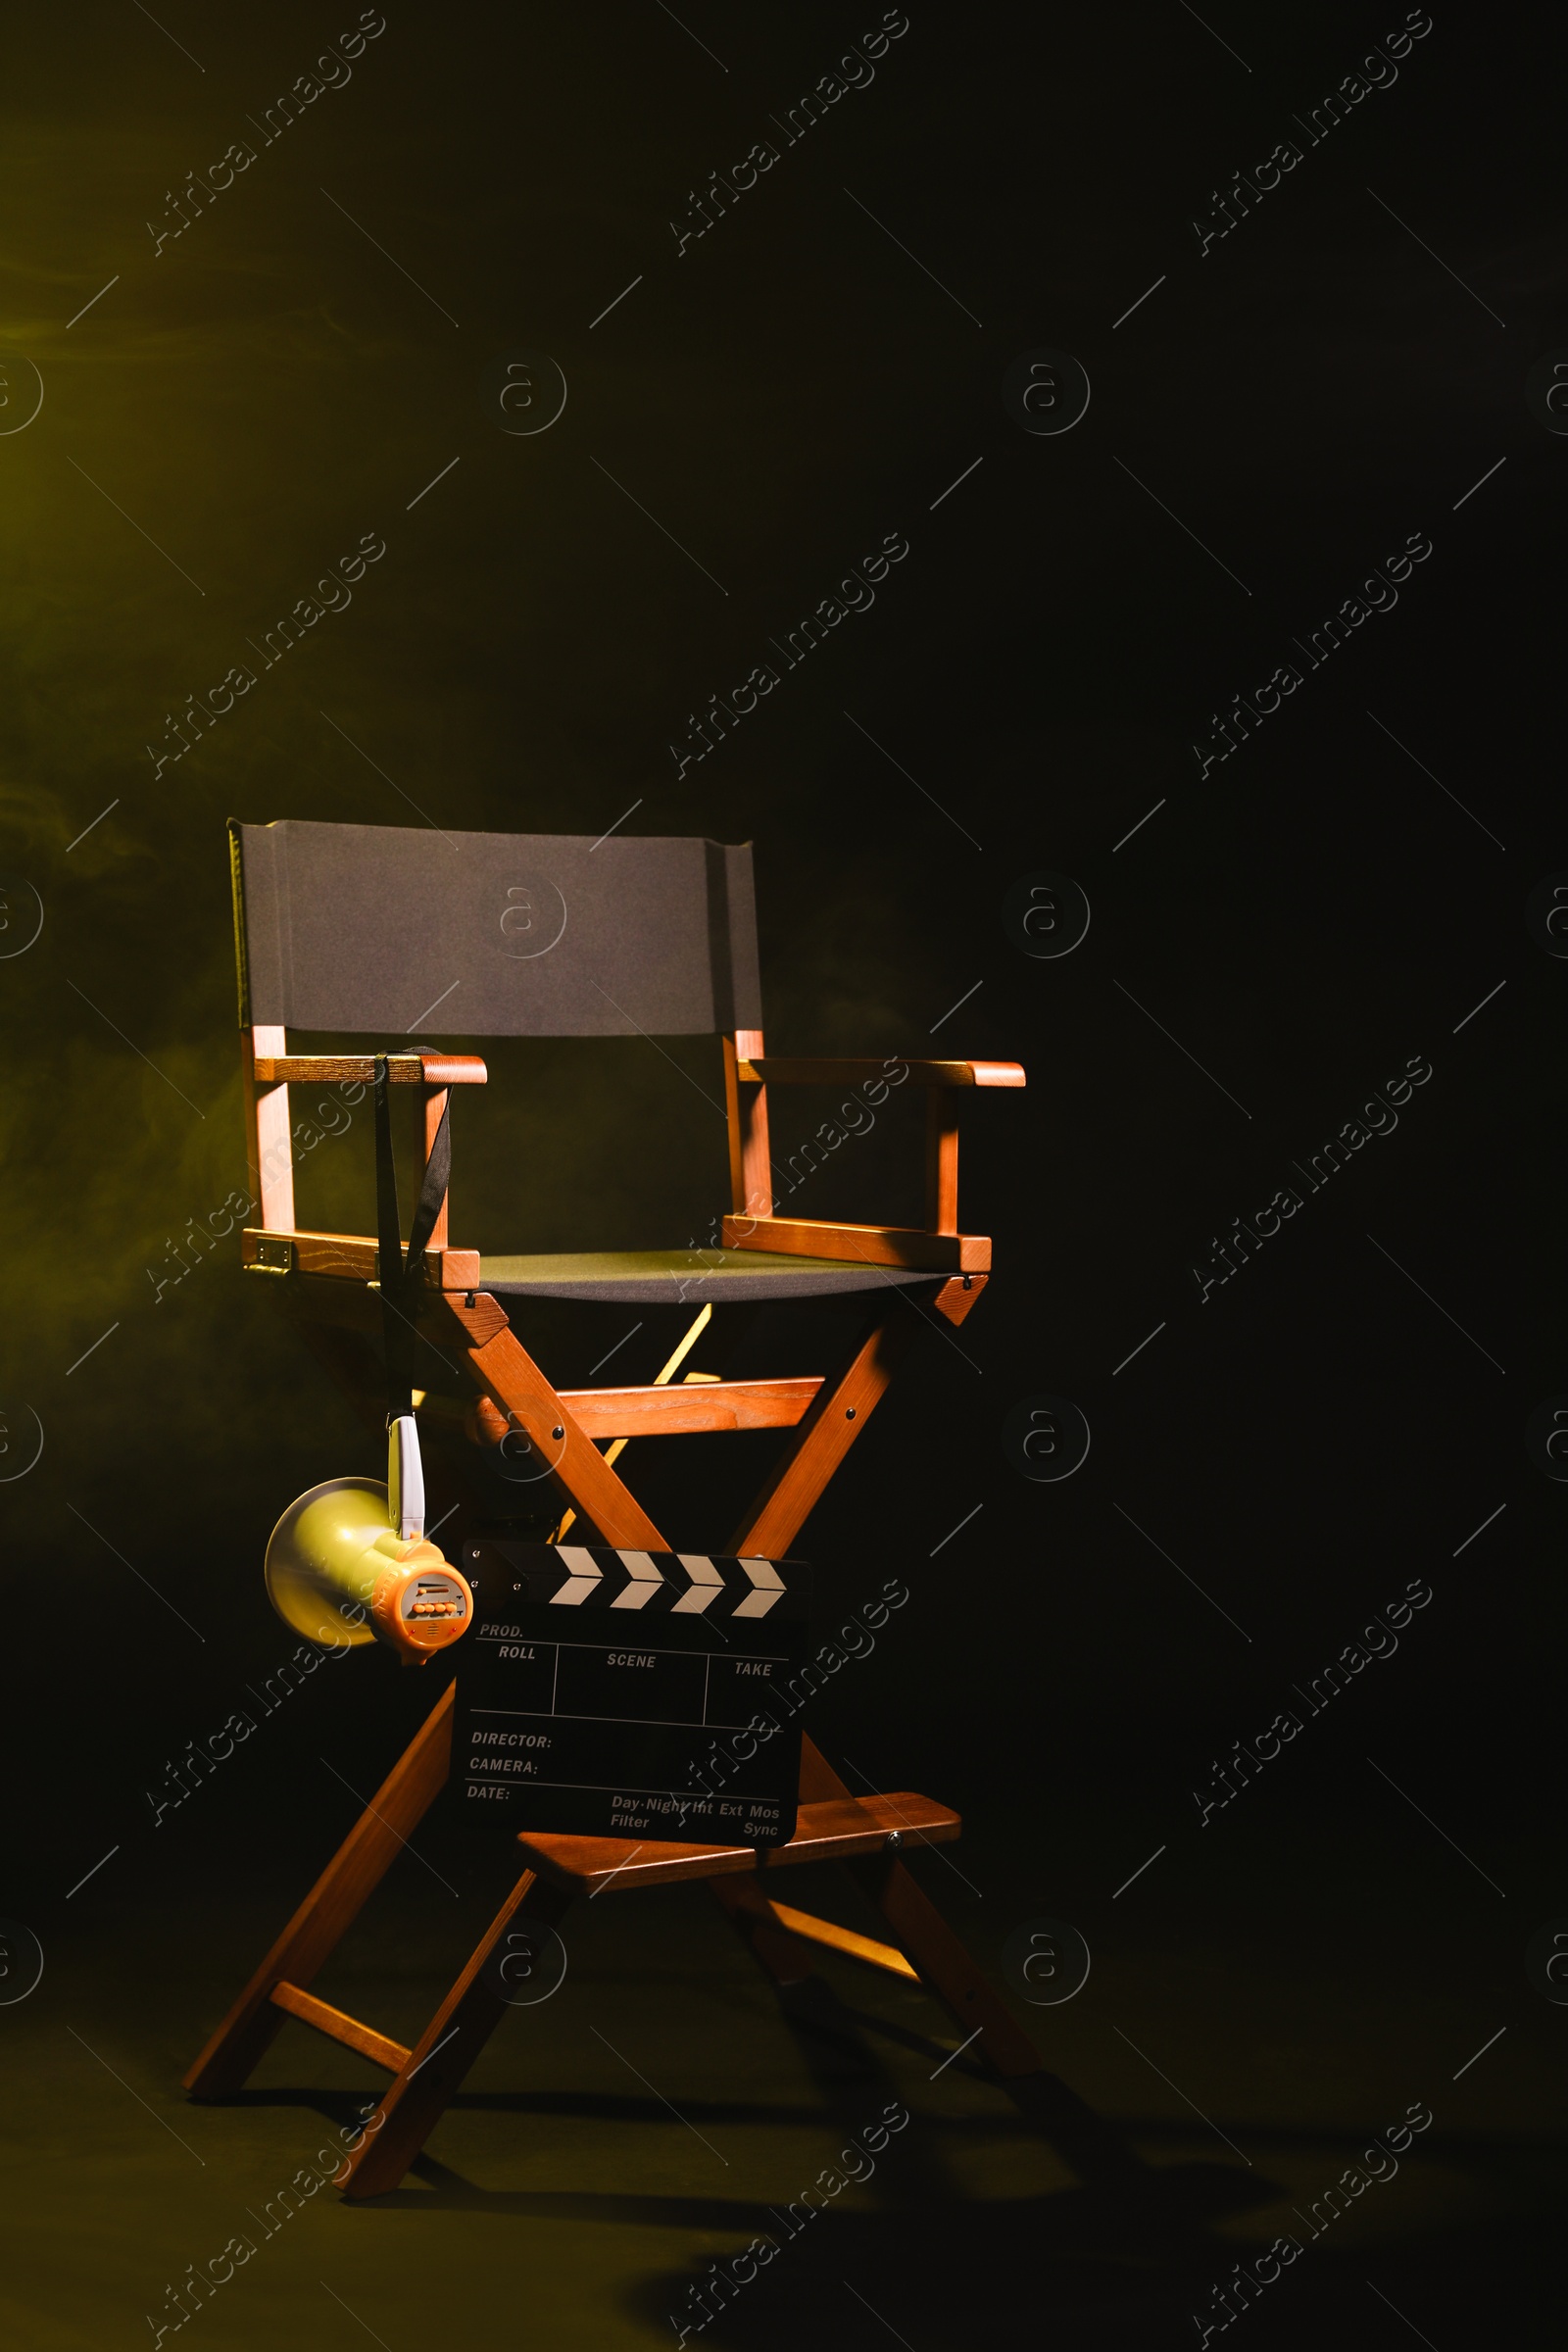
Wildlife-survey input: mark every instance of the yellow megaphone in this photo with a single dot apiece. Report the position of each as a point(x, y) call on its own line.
point(348, 1562)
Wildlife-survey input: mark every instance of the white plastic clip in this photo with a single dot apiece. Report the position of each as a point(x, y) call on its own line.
point(405, 1477)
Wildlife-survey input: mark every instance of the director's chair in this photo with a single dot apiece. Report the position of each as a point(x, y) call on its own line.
point(360, 930)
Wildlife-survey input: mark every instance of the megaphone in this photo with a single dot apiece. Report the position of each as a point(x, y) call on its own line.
point(349, 1561)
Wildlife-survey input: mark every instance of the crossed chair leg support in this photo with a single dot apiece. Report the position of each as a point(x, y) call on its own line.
point(833, 1825)
point(425, 2076)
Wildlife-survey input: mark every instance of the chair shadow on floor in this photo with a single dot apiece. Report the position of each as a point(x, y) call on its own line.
point(1071, 2272)
point(1122, 2263)
point(1106, 2269)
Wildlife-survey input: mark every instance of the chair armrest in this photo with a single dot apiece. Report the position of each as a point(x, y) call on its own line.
point(908, 1246)
point(939, 1247)
point(349, 1256)
point(267, 1077)
point(771, 1072)
point(402, 1069)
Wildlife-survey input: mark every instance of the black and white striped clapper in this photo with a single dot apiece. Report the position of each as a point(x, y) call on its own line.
point(646, 1695)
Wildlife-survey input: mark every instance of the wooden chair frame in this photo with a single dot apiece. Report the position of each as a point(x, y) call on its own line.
point(331, 1278)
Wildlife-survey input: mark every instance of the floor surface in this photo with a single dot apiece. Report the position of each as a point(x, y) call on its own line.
point(1256, 2017)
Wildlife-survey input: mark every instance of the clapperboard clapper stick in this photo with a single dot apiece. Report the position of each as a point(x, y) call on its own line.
point(351, 930)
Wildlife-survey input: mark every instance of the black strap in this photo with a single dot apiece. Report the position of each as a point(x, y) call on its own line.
point(401, 1278)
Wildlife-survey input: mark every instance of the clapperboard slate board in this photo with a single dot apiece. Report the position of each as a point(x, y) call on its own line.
point(605, 1692)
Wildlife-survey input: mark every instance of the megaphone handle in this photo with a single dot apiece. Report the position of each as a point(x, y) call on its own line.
point(404, 1476)
point(401, 1278)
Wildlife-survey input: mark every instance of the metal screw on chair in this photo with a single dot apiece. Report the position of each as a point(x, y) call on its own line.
point(895, 1838)
point(558, 1433)
point(849, 1412)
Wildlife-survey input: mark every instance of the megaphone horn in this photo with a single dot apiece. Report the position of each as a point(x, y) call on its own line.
point(349, 1563)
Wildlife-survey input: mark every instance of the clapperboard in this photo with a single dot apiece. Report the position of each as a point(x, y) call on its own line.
point(617, 1693)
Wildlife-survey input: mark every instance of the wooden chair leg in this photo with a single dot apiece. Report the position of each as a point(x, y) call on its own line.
point(445, 2050)
point(333, 1903)
point(1092, 2147)
point(1082, 2138)
point(785, 1958)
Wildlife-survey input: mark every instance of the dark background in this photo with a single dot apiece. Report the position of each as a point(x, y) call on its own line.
point(1325, 904)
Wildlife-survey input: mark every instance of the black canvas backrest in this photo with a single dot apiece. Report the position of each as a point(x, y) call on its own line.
point(375, 928)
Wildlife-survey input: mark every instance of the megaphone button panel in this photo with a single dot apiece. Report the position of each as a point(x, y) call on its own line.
point(435, 1596)
point(421, 1603)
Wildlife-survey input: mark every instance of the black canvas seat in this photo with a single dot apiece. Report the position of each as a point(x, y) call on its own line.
point(673, 1277)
